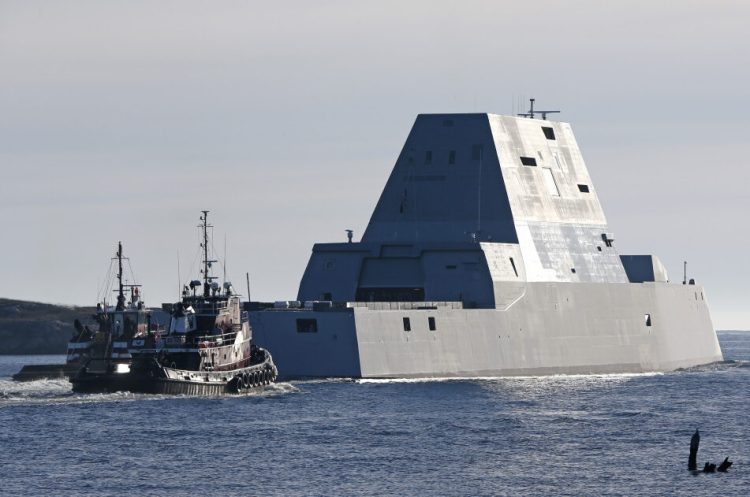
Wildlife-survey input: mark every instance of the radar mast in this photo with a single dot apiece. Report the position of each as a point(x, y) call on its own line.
point(207, 278)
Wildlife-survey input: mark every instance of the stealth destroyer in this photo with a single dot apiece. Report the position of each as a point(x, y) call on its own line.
point(488, 254)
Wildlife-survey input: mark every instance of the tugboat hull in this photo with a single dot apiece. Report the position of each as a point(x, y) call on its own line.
point(85, 382)
point(188, 387)
point(31, 372)
point(177, 382)
point(157, 379)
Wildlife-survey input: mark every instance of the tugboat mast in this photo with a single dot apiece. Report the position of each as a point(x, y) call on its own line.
point(120, 292)
point(206, 262)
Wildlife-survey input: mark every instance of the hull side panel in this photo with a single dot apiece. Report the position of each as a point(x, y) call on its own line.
point(555, 328)
point(331, 351)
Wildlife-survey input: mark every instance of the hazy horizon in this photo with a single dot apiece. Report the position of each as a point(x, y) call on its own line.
point(122, 120)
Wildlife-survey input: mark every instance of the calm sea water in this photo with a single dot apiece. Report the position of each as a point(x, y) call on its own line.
point(573, 435)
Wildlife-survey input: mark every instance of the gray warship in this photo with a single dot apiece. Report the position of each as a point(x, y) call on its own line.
point(488, 254)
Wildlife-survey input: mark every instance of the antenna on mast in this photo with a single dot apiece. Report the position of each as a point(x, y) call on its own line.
point(684, 272)
point(207, 278)
point(530, 114)
point(120, 292)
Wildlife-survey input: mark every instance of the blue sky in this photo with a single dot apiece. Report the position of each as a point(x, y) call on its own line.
point(122, 120)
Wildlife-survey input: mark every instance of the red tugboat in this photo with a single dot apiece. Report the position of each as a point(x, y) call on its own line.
point(102, 355)
point(208, 349)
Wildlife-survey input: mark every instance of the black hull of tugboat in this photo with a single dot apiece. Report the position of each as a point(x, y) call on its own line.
point(32, 372)
point(160, 382)
point(163, 380)
point(84, 382)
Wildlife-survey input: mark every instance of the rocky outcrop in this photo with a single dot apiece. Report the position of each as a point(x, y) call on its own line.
point(36, 328)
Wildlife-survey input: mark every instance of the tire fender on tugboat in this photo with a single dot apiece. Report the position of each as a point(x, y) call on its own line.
point(238, 383)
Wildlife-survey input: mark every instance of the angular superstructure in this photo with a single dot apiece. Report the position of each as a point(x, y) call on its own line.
point(488, 253)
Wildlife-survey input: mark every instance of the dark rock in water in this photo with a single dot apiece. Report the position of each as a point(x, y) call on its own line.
point(708, 467)
point(724, 466)
point(694, 443)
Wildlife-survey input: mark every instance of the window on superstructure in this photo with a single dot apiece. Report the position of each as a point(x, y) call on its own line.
point(428, 157)
point(307, 326)
point(528, 161)
point(431, 323)
point(647, 319)
point(452, 157)
point(583, 188)
point(548, 132)
point(407, 324)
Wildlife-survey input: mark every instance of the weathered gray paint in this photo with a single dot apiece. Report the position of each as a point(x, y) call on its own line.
point(518, 261)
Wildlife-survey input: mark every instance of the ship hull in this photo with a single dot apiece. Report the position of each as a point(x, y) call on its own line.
point(32, 372)
point(152, 378)
point(180, 382)
point(551, 328)
point(87, 382)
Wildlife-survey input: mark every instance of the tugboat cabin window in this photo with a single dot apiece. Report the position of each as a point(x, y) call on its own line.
point(431, 323)
point(307, 326)
point(407, 324)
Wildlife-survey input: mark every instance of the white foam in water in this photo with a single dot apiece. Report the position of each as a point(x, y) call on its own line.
point(279, 389)
point(58, 391)
point(55, 391)
point(10, 388)
point(557, 377)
